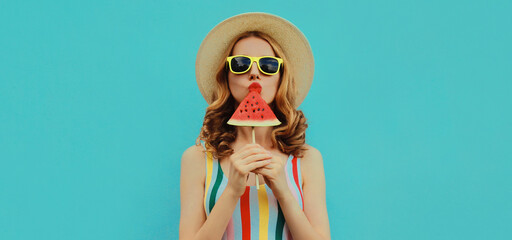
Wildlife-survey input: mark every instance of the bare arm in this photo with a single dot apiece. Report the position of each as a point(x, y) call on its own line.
point(193, 221)
point(313, 223)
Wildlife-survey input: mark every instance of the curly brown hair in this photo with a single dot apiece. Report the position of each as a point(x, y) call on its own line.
point(289, 137)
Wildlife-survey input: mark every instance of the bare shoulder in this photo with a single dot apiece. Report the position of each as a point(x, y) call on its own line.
point(311, 163)
point(311, 156)
point(311, 152)
point(192, 160)
point(193, 151)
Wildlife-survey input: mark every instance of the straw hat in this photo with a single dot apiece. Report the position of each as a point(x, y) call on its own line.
point(294, 44)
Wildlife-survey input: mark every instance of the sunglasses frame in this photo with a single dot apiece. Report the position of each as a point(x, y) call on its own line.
point(257, 60)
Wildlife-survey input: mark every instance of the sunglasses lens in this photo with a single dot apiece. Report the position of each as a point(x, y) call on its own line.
point(240, 64)
point(269, 65)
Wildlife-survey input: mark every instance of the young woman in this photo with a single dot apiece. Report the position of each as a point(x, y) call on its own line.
point(219, 199)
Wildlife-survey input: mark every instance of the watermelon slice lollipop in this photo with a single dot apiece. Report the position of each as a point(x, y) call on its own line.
point(254, 111)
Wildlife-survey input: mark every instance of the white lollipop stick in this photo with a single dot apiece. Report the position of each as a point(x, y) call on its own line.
point(257, 177)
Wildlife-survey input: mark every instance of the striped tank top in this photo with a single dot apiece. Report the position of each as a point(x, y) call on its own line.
point(257, 213)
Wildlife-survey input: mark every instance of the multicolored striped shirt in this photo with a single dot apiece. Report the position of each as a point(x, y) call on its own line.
point(257, 213)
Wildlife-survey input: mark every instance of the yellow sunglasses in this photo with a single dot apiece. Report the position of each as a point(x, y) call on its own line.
point(240, 64)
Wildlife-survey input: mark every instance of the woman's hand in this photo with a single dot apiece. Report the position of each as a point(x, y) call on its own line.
point(275, 176)
point(247, 159)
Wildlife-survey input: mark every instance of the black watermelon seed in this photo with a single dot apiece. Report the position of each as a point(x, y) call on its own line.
point(261, 116)
point(240, 110)
point(247, 101)
point(248, 116)
point(253, 110)
point(245, 105)
point(263, 109)
point(245, 110)
point(251, 104)
point(258, 109)
point(256, 103)
point(252, 97)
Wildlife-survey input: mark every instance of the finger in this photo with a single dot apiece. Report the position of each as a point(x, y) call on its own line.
point(251, 151)
point(243, 154)
point(258, 164)
point(256, 157)
point(263, 168)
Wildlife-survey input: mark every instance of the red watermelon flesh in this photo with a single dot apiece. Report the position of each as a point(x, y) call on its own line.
point(253, 110)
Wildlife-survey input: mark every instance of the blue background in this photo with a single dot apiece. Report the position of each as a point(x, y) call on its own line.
point(410, 107)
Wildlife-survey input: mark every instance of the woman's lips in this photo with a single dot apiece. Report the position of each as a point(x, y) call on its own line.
point(254, 85)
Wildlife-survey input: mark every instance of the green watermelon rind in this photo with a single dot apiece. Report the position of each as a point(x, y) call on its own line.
point(249, 123)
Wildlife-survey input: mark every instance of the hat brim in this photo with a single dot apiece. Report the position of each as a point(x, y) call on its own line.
point(293, 43)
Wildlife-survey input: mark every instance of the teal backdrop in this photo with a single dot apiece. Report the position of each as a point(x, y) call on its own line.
point(410, 107)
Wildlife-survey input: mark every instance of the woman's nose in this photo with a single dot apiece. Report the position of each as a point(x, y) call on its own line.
point(254, 72)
